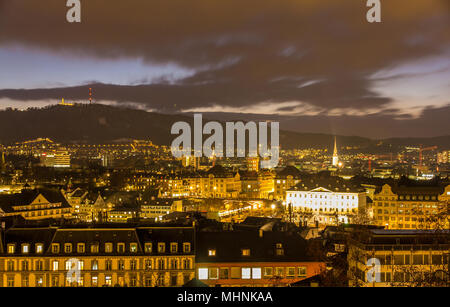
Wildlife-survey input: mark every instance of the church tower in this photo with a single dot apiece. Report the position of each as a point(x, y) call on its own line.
point(335, 161)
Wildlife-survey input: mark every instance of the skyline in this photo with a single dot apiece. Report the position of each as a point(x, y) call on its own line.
point(315, 67)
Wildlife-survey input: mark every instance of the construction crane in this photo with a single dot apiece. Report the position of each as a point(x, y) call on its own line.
point(424, 149)
point(90, 95)
point(369, 163)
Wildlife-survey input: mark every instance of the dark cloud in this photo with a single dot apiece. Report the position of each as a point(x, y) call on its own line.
point(245, 52)
point(433, 122)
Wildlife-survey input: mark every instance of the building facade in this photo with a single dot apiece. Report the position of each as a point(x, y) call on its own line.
point(97, 257)
point(329, 200)
point(249, 258)
point(403, 258)
point(409, 207)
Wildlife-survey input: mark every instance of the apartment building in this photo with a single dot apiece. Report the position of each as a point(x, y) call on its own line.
point(97, 256)
point(402, 258)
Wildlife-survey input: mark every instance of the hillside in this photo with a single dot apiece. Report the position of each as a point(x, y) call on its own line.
point(103, 124)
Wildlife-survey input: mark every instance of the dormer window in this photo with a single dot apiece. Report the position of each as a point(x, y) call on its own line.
point(211, 252)
point(121, 247)
point(161, 247)
point(68, 248)
point(187, 247)
point(94, 248)
point(39, 248)
point(108, 247)
point(80, 247)
point(245, 252)
point(25, 248)
point(279, 250)
point(173, 247)
point(148, 247)
point(11, 248)
point(55, 248)
point(133, 247)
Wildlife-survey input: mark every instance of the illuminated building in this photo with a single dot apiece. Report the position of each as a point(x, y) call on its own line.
point(191, 161)
point(284, 180)
point(257, 184)
point(35, 204)
point(252, 258)
point(406, 258)
point(335, 161)
point(406, 206)
point(443, 157)
point(144, 256)
point(327, 198)
point(122, 214)
point(59, 158)
point(158, 208)
point(67, 104)
point(253, 164)
point(94, 209)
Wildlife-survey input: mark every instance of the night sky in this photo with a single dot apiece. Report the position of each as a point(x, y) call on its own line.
point(315, 65)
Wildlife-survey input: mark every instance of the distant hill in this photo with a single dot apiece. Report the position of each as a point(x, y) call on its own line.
point(98, 123)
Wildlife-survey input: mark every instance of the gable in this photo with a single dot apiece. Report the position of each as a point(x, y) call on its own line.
point(40, 199)
point(320, 189)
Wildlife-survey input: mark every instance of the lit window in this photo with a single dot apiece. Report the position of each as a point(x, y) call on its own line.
point(108, 280)
point(213, 273)
point(25, 248)
point(108, 247)
point(203, 273)
point(246, 273)
point(279, 272)
point(302, 271)
point(173, 247)
point(268, 272)
point(187, 247)
point(11, 248)
point(161, 247)
point(148, 247)
point(67, 248)
point(80, 247)
point(94, 281)
point(94, 265)
point(290, 272)
point(55, 265)
point(256, 273)
point(133, 247)
point(246, 252)
point(55, 248)
point(211, 252)
point(94, 248)
point(39, 248)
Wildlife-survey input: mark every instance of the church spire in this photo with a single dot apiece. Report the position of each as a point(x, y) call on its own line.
point(335, 148)
point(335, 160)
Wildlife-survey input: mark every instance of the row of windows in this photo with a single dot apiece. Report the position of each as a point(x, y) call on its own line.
point(80, 248)
point(79, 282)
point(109, 265)
point(407, 197)
point(250, 273)
point(321, 196)
point(405, 276)
point(415, 259)
point(380, 204)
point(279, 251)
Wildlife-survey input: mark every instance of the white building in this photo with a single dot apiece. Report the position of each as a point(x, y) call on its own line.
point(326, 201)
